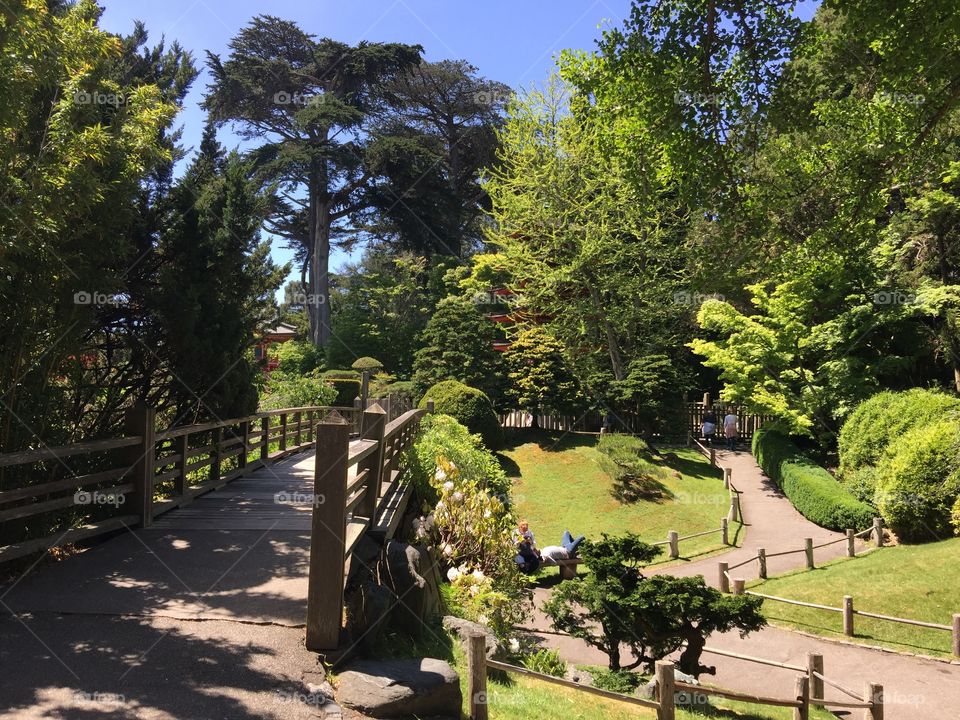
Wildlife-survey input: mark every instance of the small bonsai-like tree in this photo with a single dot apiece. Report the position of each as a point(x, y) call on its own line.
point(617, 605)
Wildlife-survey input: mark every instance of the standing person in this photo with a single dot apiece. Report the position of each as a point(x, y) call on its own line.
point(730, 429)
point(709, 426)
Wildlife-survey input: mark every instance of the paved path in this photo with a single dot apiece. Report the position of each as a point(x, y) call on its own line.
point(914, 688)
point(199, 616)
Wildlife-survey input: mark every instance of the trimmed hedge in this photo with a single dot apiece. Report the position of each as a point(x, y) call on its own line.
point(919, 481)
point(346, 383)
point(470, 407)
point(814, 492)
point(884, 417)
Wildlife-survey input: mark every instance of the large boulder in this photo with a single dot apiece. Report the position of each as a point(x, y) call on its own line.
point(463, 629)
point(411, 575)
point(401, 688)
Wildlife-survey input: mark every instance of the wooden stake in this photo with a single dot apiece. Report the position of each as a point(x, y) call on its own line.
point(762, 560)
point(808, 549)
point(803, 697)
point(723, 579)
point(851, 543)
point(477, 680)
point(666, 690)
point(815, 665)
point(673, 537)
point(848, 615)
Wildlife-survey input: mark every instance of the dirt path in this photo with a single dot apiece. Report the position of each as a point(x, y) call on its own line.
point(914, 688)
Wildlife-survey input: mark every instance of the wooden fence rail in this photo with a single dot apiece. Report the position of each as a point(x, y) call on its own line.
point(94, 487)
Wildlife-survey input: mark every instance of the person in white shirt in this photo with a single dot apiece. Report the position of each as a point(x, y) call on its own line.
point(730, 429)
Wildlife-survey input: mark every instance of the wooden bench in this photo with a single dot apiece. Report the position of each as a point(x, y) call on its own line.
point(568, 568)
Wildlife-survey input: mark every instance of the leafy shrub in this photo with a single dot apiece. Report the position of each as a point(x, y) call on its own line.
point(862, 483)
point(814, 492)
point(955, 516)
point(470, 407)
point(400, 388)
point(366, 363)
point(883, 418)
point(546, 661)
point(483, 599)
point(618, 681)
point(298, 357)
point(284, 390)
point(626, 460)
point(919, 481)
point(443, 439)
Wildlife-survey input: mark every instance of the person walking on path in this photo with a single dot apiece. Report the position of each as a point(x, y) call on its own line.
point(709, 426)
point(730, 429)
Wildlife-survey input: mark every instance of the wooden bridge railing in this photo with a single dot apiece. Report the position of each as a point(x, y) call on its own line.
point(90, 488)
point(358, 488)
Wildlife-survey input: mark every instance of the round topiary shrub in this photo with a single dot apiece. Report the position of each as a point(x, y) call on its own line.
point(883, 418)
point(918, 481)
point(367, 363)
point(469, 406)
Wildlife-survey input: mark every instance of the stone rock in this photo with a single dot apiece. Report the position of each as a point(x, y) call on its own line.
point(411, 575)
point(401, 688)
point(367, 607)
point(465, 628)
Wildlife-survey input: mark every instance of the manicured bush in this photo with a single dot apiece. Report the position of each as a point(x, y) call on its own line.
point(814, 492)
point(883, 418)
point(284, 390)
point(346, 384)
point(366, 363)
point(470, 407)
point(919, 481)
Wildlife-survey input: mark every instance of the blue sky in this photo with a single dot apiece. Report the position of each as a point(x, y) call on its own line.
point(513, 42)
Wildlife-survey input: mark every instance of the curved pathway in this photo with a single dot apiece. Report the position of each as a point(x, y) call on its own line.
point(913, 687)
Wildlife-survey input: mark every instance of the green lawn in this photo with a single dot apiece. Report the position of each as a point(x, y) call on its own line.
point(918, 582)
point(558, 485)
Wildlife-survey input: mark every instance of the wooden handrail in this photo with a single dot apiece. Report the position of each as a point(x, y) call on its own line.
point(25, 457)
point(742, 697)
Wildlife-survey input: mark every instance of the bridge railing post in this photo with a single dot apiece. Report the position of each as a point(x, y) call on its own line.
point(141, 420)
point(374, 421)
point(328, 531)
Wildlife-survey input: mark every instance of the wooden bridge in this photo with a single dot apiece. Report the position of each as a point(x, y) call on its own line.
point(223, 476)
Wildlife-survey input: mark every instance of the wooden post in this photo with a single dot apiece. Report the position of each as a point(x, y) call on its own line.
point(713, 456)
point(311, 414)
point(738, 586)
point(374, 420)
point(358, 407)
point(477, 680)
point(265, 438)
point(724, 580)
point(956, 634)
point(328, 534)
point(803, 697)
point(851, 543)
point(299, 427)
point(364, 387)
point(874, 694)
point(878, 531)
point(283, 432)
point(762, 561)
point(180, 481)
point(216, 436)
point(141, 421)
point(689, 439)
point(734, 514)
point(245, 439)
point(848, 615)
point(727, 477)
point(666, 690)
point(430, 405)
point(673, 538)
point(815, 665)
point(725, 531)
point(808, 550)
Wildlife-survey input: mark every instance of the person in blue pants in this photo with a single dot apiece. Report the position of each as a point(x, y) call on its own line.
point(569, 544)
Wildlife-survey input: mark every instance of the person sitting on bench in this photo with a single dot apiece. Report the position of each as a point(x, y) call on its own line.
point(567, 550)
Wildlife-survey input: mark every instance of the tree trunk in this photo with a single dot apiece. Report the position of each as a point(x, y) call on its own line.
point(690, 657)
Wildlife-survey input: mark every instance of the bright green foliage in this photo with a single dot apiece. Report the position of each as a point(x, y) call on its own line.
point(883, 418)
point(458, 345)
point(442, 437)
point(618, 681)
point(297, 357)
point(546, 661)
point(919, 481)
point(346, 385)
point(286, 390)
point(540, 377)
point(470, 407)
point(626, 459)
point(814, 492)
point(955, 516)
point(616, 605)
point(366, 363)
point(501, 602)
